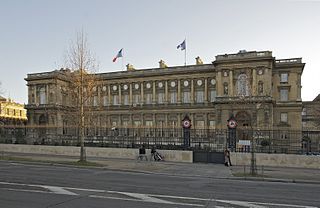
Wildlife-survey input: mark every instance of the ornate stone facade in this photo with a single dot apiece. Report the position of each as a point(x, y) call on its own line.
point(12, 113)
point(260, 91)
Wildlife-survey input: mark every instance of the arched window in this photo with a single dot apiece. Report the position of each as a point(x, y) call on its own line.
point(225, 89)
point(243, 85)
point(42, 95)
point(260, 88)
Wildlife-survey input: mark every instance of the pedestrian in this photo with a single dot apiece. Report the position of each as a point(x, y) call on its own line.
point(153, 152)
point(142, 153)
point(226, 157)
point(229, 157)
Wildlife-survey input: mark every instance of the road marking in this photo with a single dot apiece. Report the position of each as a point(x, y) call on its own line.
point(139, 200)
point(143, 197)
point(242, 203)
point(151, 198)
point(59, 190)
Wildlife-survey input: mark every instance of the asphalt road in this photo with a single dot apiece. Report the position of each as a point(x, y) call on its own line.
point(40, 186)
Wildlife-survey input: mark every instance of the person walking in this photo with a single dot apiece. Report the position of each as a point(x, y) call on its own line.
point(226, 157)
point(229, 157)
point(153, 153)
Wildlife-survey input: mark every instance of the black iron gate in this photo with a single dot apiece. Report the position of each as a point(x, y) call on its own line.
point(208, 157)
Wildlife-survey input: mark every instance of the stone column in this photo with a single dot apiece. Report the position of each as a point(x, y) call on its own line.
point(35, 93)
point(192, 92)
point(179, 92)
point(219, 84)
point(231, 93)
point(47, 94)
point(120, 94)
point(109, 95)
point(142, 120)
point(130, 121)
point(299, 87)
point(130, 94)
point(99, 96)
point(254, 82)
point(142, 95)
point(206, 90)
point(166, 92)
point(154, 92)
point(166, 120)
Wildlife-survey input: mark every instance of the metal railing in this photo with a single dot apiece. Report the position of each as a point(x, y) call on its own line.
point(243, 140)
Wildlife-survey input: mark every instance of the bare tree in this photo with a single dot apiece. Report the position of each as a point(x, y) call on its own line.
point(82, 84)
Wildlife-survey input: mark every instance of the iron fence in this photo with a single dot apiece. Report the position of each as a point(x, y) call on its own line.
point(240, 140)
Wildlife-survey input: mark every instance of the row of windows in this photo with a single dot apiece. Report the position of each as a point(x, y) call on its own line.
point(160, 99)
point(12, 112)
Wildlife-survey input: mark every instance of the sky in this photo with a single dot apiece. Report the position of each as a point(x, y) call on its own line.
point(36, 34)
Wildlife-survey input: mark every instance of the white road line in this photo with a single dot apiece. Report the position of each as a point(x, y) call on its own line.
point(59, 190)
point(152, 198)
point(241, 203)
point(143, 197)
point(139, 200)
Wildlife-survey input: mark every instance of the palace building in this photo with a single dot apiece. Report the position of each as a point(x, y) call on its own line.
point(12, 113)
point(256, 89)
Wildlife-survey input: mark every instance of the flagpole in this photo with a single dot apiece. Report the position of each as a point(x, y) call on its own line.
point(185, 53)
point(122, 59)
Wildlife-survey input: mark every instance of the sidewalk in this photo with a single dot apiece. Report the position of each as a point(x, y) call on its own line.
point(217, 171)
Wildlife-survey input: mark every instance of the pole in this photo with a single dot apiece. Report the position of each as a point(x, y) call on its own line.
point(122, 60)
point(185, 52)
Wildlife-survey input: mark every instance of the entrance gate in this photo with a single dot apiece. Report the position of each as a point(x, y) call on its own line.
point(202, 156)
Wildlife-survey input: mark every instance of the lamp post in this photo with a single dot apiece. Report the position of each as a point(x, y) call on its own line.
point(253, 165)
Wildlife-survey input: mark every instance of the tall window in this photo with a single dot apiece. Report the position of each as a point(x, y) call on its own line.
point(105, 100)
point(136, 123)
point(225, 89)
point(126, 99)
point(284, 117)
point(149, 123)
point(115, 99)
point(199, 96)
point(213, 94)
point(136, 99)
point(95, 100)
point(243, 85)
point(148, 98)
point(284, 77)
point(186, 97)
point(42, 95)
point(212, 124)
point(173, 97)
point(161, 97)
point(284, 94)
point(260, 88)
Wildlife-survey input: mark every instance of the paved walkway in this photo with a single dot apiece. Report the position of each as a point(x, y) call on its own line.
point(186, 169)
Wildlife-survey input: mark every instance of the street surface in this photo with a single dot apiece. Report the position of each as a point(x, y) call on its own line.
point(39, 186)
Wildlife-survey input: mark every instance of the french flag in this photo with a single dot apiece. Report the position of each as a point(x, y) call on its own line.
point(117, 56)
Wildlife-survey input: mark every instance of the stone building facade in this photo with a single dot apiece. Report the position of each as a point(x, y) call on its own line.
point(311, 125)
point(258, 90)
point(12, 113)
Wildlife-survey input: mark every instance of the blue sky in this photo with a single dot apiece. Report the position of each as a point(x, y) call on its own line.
point(35, 34)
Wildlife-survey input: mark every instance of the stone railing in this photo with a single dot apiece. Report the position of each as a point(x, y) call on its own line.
point(289, 61)
point(243, 99)
point(244, 54)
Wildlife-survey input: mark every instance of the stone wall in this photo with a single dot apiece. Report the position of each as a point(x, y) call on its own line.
point(277, 160)
point(121, 153)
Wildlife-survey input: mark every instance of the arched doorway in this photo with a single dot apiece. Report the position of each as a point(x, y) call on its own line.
point(43, 120)
point(243, 119)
